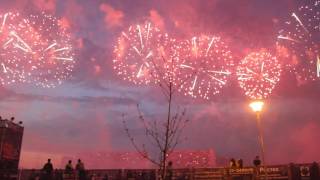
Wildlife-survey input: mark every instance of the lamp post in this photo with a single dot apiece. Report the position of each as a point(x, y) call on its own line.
point(257, 106)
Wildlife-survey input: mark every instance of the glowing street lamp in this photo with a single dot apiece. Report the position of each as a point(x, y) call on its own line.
point(257, 107)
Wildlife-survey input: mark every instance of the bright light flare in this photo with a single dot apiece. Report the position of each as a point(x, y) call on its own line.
point(256, 106)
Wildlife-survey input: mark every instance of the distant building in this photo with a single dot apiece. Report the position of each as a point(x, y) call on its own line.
point(133, 160)
point(112, 160)
point(11, 134)
point(193, 159)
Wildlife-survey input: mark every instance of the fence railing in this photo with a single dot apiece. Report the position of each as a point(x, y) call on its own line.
point(276, 172)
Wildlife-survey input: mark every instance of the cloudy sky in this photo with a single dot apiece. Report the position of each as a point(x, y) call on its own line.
point(84, 113)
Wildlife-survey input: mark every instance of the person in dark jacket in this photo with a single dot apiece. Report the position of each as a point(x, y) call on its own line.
point(169, 172)
point(240, 163)
point(233, 163)
point(47, 170)
point(69, 168)
point(314, 171)
point(257, 161)
point(33, 175)
point(81, 170)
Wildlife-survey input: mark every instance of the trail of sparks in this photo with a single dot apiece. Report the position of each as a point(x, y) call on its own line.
point(288, 38)
point(4, 68)
point(49, 47)
point(148, 31)
point(194, 83)
point(300, 22)
point(249, 70)
point(139, 72)
point(270, 80)
point(149, 55)
point(194, 46)
point(20, 40)
point(186, 66)
point(3, 22)
point(62, 58)
point(61, 49)
point(210, 44)
point(7, 43)
point(137, 51)
point(125, 35)
point(220, 72)
point(20, 47)
point(140, 35)
point(219, 80)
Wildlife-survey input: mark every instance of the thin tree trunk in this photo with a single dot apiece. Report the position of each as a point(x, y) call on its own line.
point(165, 150)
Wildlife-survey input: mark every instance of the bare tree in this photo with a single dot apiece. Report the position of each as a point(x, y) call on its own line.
point(164, 135)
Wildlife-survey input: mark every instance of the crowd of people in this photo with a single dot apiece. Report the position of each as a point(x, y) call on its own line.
point(48, 172)
point(78, 172)
point(239, 163)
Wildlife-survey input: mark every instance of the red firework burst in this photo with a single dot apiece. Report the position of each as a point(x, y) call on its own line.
point(206, 64)
point(258, 73)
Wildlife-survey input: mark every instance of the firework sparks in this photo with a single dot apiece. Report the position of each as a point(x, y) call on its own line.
point(258, 73)
point(143, 53)
point(35, 49)
point(205, 66)
point(16, 38)
point(54, 60)
point(300, 40)
point(4, 19)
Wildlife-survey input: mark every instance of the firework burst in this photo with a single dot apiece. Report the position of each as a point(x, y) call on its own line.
point(206, 64)
point(142, 52)
point(53, 58)
point(258, 73)
point(34, 50)
point(299, 41)
point(16, 38)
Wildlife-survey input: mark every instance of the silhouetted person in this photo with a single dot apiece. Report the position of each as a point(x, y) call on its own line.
point(314, 171)
point(119, 174)
point(47, 170)
point(257, 161)
point(294, 172)
point(33, 175)
point(81, 170)
point(106, 177)
point(240, 163)
point(69, 168)
point(129, 175)
point(58, 175)
point(169, 172)
point(232, 163)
